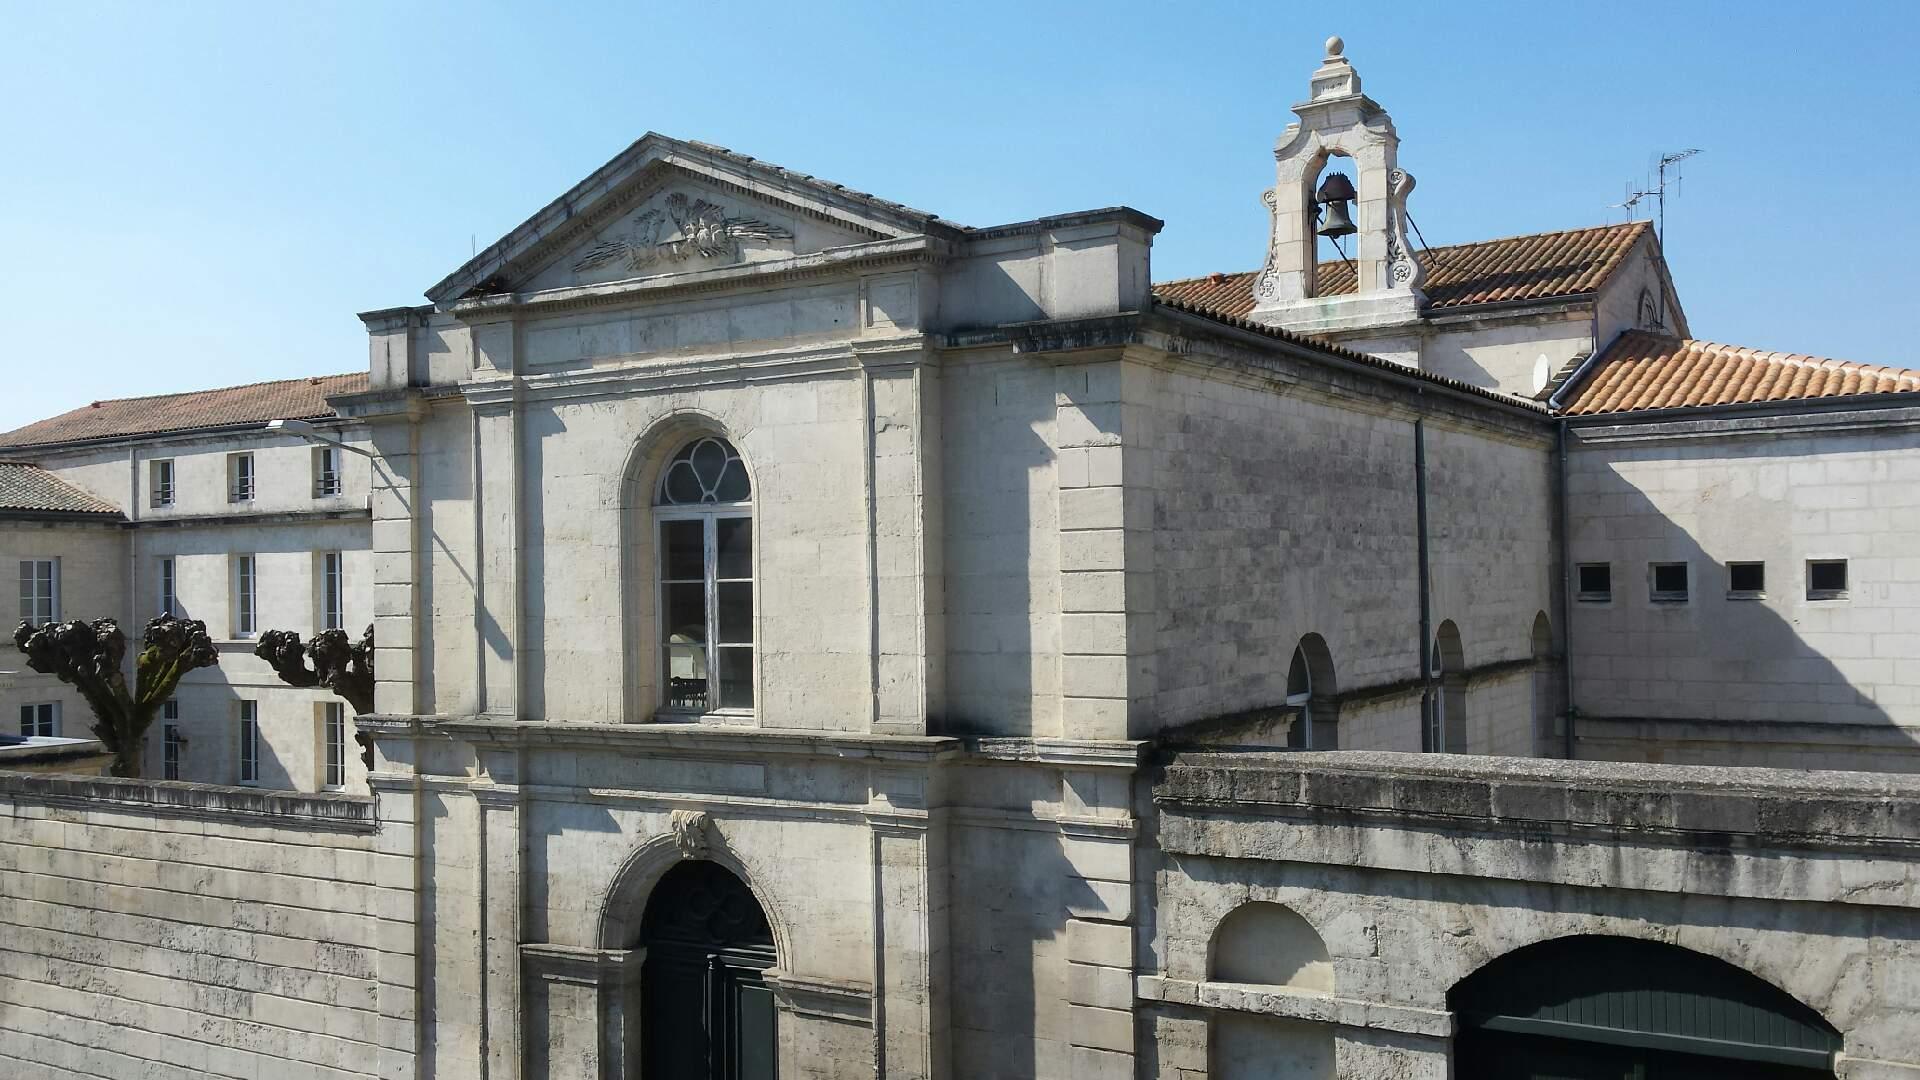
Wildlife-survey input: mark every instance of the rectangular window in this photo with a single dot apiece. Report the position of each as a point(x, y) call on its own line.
point(1746, 580)
point(169, 598)
point(40, 590)
point(245, 614)
point(42, 719)
point(1669, 582)
point(333, 745)
point(326, 471)
point(160, 482)
point(1595, 583)
point(171, 744)
point(249, 752)
point(333, 592)
point(239, 478)
point(706, 608)
point(1826, 579)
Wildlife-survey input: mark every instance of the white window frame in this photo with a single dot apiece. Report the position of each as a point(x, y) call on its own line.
point(169, 588)
point(248, 755)
point(333, 591)
point(40, 718)
point(246, 596)
point(172, 745)
point(327, 479)
point(40, 605)
point(241, 478)
point(160, 482)
point(333, 746)
point(709, 514)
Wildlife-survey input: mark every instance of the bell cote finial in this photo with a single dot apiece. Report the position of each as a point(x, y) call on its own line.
point(1335, 78)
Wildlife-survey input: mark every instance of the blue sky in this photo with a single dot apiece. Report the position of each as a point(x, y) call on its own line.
point(204, 194)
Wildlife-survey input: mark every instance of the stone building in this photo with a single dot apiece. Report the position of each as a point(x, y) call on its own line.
point(820, 639)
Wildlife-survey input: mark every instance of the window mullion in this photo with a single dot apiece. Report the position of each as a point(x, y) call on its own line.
point(711, 569)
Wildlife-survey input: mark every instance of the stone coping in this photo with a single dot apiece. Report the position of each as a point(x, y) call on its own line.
point(708, 738)
point(1782, 806)
point(175, 798)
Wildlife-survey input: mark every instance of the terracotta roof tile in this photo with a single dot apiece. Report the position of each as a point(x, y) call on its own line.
point(1641, 370)
point(233, 406)
point(30, 487)
point(1541, 266)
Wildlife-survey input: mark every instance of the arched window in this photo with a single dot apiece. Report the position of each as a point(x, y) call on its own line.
point(1447, 724)
point(1310, 692)
point(1545, 700)
point(703, 517)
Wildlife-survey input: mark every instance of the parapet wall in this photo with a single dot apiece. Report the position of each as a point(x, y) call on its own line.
point(163, 929)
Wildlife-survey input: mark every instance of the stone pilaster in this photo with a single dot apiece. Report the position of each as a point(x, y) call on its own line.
point(910, 908)
point(502, 808)
point(393, 425)
point(907, 591)
point(582, 1011)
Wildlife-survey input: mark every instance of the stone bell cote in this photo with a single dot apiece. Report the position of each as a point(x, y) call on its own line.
point(1339, 129)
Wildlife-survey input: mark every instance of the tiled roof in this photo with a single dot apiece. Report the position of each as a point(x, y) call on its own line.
point(233, 406)
point(1542, 266)
point(30, 487)
point(1641, 370)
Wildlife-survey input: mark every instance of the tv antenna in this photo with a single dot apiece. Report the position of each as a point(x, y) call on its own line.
point(1657, 191)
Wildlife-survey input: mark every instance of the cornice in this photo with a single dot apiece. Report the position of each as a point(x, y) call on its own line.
point(711, 739)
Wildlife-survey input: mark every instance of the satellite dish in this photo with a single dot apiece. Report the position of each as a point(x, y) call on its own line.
point(1542, 371)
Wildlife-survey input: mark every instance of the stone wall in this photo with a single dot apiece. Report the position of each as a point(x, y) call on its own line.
point(1412, 872)
point(1775, 677)
point(174, 930)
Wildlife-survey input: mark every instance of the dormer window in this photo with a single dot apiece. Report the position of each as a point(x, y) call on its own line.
point(703, 520)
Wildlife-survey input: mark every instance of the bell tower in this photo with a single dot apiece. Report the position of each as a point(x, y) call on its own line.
point(1339, 130)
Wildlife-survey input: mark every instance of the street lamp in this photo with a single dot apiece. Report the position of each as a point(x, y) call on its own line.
point(302, 429)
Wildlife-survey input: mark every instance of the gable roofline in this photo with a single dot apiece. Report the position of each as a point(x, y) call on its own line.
point(575, 209)
point(224, 409)
point(31, 492)
point(1641, 372)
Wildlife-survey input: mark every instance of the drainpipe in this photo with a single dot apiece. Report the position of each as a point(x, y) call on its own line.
point(1427, 740)
point(1566, 593)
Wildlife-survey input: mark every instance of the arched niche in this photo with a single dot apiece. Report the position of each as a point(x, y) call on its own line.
point(1546, 693)
point(1271, 945)
point(1618, 1006)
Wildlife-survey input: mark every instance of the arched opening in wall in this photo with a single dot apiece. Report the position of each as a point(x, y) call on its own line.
point(704, 567)
point(1590, 1006)
point(706, 1011)
point(1310, 693)
point(1447, 729)
point(1546, 698)
point(1333, 223)
point(1269, 944)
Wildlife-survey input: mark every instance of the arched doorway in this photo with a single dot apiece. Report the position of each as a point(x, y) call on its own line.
point(1607, 1008)
point(706, 1010)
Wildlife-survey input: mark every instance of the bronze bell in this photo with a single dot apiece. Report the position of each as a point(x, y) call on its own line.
point(1336, 191)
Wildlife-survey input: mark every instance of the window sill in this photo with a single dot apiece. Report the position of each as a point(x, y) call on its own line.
point(729, 717)
point(1739, 594)
point(1667, 600)
point(1824, 594)
point(1594, 598)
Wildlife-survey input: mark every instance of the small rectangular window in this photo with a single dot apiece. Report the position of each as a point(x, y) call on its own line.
point(1595, 582)
point(40, 590)
point(1826, 579)
point(249, 753)
point(41, 719)
point(333, 745)
point(1669, 582)
point(169, 598)
point(160, 482)
point(326, 471)
point(333, 593)
point(245, 612)
point(240, 478)
point(171, 744)
point(1746, 580)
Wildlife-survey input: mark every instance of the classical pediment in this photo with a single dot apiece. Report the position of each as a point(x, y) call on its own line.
point(669, 207)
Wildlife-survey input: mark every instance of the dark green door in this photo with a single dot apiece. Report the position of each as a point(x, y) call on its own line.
point(1496, 1056)
point(706, 1011)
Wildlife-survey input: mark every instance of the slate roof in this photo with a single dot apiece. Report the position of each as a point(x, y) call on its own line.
point(233, 406)
point(1642, 370)
point(1541, 266)
point(32, 488)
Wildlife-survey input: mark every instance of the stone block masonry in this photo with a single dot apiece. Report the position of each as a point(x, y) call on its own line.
point(175, 930)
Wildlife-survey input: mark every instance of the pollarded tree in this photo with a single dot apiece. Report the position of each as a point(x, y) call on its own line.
point(91, 658)
point(344, 667)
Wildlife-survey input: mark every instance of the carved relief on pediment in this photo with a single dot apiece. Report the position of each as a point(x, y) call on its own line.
point(680, 232)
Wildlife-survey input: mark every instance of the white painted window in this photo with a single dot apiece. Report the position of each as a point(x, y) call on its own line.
point(40, 590)
point(333, 592)
point(41, 718)
point(160, 482)
point(703, 516)
point(169, 596)
point(172, 745)
point(246, 621)
point(240, 485)
point(333, 745)
point(249, 750)
point(326, 471)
